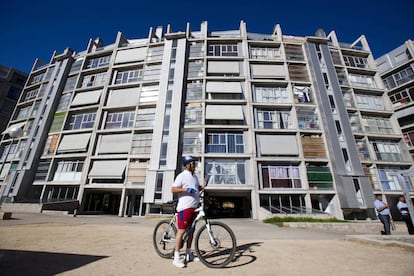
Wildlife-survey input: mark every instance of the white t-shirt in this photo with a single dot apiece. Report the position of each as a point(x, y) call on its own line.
point(187, 200)
point(403, 207)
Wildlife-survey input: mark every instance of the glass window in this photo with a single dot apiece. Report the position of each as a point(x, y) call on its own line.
point(98, 62)
point(224, 50)
point(307, 119)
point(273, 119)
point(194, 90)
point(271, 95)
point(120, 119)
point(276, 176)
point(265, 53)
point(68, 171)
point(193, 114)
point(81, 121)
point(129, 76)
point(94, 80)
point(226, 172)
point(225, 142)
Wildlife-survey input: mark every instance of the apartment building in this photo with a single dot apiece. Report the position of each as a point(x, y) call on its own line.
point(396, 68)
point(280, 124)
point(11, 84)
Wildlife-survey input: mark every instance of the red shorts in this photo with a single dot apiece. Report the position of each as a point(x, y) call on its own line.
point(185, 218)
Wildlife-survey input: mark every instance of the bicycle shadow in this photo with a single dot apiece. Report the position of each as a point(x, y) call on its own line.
point(244, 255)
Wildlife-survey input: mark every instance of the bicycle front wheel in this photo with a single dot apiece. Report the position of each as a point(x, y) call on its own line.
point(163, 239)
point(215, 248)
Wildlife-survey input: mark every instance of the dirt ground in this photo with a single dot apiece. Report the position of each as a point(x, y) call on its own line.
point(73, 247)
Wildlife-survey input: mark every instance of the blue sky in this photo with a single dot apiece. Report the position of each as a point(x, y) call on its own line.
point(34, 29)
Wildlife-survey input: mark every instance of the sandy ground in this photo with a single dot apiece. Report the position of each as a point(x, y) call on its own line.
point(124, 247)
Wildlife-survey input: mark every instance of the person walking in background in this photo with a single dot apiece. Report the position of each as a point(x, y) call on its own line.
point(383, 210)
point(405, 214)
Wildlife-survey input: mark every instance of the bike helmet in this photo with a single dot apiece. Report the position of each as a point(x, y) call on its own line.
point(188, 159)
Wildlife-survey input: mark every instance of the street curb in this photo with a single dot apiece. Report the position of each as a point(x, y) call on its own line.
point(404, 241)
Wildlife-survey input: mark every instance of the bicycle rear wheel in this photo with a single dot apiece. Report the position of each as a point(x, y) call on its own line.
point(219, 251)
point(163, 239)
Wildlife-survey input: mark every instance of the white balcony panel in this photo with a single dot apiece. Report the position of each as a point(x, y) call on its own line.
point(116, 143)
point(108, 169)
point(131, 55)
point(221, 67)
point(278, 145)
point(223, 87)
point(123, 97)
point(224, 112)
point(74, 142)
point(91, 97)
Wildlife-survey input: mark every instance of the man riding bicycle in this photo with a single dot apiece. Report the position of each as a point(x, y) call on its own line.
point(187, 187)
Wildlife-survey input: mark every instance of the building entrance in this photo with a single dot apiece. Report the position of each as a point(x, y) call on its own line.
point(102, 202)
point(228, 206)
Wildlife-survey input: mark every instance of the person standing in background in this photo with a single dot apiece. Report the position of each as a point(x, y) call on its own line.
point(405, 214)
point(383, 210)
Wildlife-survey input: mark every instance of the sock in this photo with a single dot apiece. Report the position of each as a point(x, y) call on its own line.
point(176, 255)
point(188, 251)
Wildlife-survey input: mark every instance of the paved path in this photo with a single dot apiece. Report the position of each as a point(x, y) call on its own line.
point(40, 244)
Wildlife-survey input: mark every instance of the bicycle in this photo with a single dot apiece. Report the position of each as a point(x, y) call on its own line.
point(215, 242)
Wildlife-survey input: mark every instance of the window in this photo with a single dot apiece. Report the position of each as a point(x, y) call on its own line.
point(302, 94)
point(377, 125)
point(358, 62)
point(70, 83)
point(194, 90)
point(265, 53)
point(123, 119)
point(276, 176)
point(31, 94)
point(273, 95)
point(57, 121)
point(37, 78)
point(307, 119)
point(273, 119)
point(193, 114)
point(64, 102)
point(226, 172)
point(98, 62)
point(23, 112)
point(223, 50)
point(192, 142)
point(225, 142)
point(389, 181)
point(94, 80)
point(362, 81)
point(197, 49)
point(195, 69)
point(369, 102)
point(387, 151)
point(68, 171)
point(129, 76)
point(81, 121)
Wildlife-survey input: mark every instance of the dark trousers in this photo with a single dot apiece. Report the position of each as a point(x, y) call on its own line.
point(385, 219)
point(409, 223)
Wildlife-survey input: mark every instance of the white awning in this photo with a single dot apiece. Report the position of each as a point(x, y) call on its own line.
point(108, 169)
point(223, 67)
point(268, 71)
point(123, 97)
point(5, 170)
point(223, 87)
point(278, 145)
point(90, 97)
point(74, 142)
point(13, 126)
point(115, 143)
point(224, 112)
point(131, 55)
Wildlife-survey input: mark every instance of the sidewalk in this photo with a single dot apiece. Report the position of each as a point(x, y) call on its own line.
point(40, 244)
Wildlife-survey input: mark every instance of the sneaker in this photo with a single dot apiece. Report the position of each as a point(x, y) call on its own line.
point(191, 258)
point(178, 263)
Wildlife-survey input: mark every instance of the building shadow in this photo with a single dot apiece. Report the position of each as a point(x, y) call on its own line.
point(23, 262)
